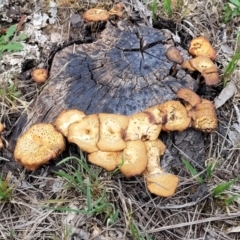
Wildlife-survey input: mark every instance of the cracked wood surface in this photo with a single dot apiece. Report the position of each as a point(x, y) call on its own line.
point(122, 72)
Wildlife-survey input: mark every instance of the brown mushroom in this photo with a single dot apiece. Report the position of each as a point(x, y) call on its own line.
point(67, 117)
point(189, 96)
point(96, 15)
point(155, 114)
point(40, 75)
point(174, 55)
point(207, 68)
point(187, 65)
point(176, 116)
point(85, 133)
point(117, 10)
point(133, 160)
point(200, 46)
point(142, 127)
point(38, 145)
point(1, 143)
point(204, 116)
point(158, 182)
point(107, 160)
point(112, 128)
point(2, 127)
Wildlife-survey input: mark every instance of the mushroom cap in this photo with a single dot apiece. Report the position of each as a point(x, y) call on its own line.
point(117, 9)
point(40, 75)
point(106, 160)
point(187, 65)
point(39, 144)
point(1, 143)
point(174, 55)
point(200, 46)
point(95, 15)
point(2, 127)
point(67, 117)
point(189, 96)
point(112, 128)
point(176, 116)
point(134, 159)
point(204, 116)
point(142, 126)
point(203, 64)
point(155, 114)
point(162, 184)
point(85, 133)
point(211, 79)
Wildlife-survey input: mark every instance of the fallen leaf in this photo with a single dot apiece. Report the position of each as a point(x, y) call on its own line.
point(225, 94)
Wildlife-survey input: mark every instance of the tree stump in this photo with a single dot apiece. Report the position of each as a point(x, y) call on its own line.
point(122, 72)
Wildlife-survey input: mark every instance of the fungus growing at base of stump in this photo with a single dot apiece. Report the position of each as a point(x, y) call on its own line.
point(142, 127)
point(133, 160)
point(200, 46)
point(158, 182)
point(40, 75)
point(106, 160)
point(204, 116)
point(189, 96)
point(96, 15)
point(176, 116)
point(112, 128)
point(38, 145)
point(85, 133)
point(66, 118)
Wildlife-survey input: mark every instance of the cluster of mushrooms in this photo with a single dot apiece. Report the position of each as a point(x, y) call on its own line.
point(112, 141)
point(203, 53)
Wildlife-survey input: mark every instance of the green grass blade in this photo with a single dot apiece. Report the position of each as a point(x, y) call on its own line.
point(232, 199)
point(167, 7)
point(89, 197)
point(192, 170)
point(217, 191)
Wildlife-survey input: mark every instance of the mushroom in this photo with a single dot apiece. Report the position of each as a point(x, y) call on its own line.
point(112, 128)
point(189, 96)
point(40, 75)
point(96, 15)
point(107, 160)
point(141, 126)
point(207, 68)
point(133, 160)
point(117, 10)
point(38, 145)
point(67, 117)
point(1, 143)
point(173, 55)
point(204, 116)
point(158, 182)
point(176, 116)
point(200, 46)
point(85, 133)
point(187, 65)
point(2, 127)
point(155, 114)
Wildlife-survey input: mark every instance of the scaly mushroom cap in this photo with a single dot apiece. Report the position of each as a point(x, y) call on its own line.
point(141, 126)
point(67, 117)
point(176, 116)
point(39, 144)
point(2, 127)
point(112, 128)
point(200, 46)
point(203, 64)
point(95, 15)
point(134, 159)
point(155, 114)
point(189, 96)
point(204, 116)
point(174, 55)
point(187, 65)
point(85, 133)
point(158, 182)
point(106, 160)
point(40, 75)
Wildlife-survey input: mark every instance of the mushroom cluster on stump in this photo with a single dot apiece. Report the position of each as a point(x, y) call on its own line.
point(114, 140)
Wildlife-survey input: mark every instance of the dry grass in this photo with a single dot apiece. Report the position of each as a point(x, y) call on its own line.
point(192, 213)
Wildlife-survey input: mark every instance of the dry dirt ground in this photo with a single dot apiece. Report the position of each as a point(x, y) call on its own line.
point(46, 205)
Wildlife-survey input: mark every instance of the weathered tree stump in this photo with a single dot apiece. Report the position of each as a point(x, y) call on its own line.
point(122, 72)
